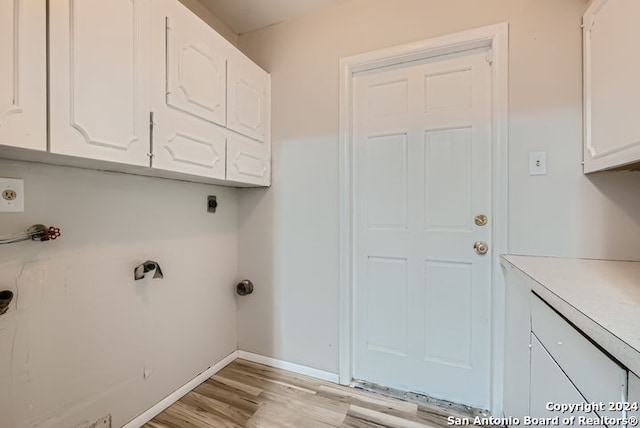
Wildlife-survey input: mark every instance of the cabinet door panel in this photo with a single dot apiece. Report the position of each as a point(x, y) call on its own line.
point(23, 75)
point(596, 376)
point(248, 98)
point(196, 67)
point(99, 75)
point(549, 384)
point(188, 95)
point(612, 131)
point(248, 160)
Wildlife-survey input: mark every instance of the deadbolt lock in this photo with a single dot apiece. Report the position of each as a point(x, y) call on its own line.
point(481, 220)
point(481, 247)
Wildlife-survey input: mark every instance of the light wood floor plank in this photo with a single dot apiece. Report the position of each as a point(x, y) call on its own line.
point(247, 394)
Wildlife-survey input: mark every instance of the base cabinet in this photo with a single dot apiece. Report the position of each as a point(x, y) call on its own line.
point(23, 75)
point(549, 361)
point(549, 384)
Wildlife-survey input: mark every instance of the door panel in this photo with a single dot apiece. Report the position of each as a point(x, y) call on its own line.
point(23, 75)
point(422, 140)
point(188, 98)
point(99, 64)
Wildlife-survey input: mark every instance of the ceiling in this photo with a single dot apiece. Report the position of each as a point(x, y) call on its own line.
point(243, 16)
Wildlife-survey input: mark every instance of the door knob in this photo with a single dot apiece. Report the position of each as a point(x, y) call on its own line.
point(481, 247)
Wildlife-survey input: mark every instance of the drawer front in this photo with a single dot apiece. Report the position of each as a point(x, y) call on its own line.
point(597, 377)
point(550, 385)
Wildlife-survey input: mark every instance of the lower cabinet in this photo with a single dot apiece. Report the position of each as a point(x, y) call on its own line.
point(549, 384)
point(549, 363)
point(634, 394)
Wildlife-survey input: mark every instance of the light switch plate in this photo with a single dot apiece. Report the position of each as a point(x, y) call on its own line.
point(538, 163)
point(11, 195)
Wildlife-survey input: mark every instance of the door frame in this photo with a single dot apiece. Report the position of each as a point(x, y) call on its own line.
point(497, 38)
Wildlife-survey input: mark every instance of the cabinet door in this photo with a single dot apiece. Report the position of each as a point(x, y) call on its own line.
point(611, 89)
point(248, 160)
point(248, 98)
point(23, 74)
point(99, 77)
point(549, 384)
point(634, 394)
point(517, 346)
point(188, 92)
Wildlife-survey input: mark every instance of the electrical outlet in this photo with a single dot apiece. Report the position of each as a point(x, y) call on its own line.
point(11, 195)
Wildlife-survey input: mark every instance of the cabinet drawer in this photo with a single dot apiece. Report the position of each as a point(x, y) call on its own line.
point(550, 385)
point(597, 377)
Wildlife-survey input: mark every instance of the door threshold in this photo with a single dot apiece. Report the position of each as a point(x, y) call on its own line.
point(414, 397)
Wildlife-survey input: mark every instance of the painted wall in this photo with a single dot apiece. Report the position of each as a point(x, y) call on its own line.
point(289, 233)
point(213, 21)
point(82, 339)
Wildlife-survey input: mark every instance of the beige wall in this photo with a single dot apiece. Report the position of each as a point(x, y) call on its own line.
point(81, 332)
point(213, 21)
point(289, 233)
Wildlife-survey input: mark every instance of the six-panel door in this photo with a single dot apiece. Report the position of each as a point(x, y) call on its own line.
point(23, 74)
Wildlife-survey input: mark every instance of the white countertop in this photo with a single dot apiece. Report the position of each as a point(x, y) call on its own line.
point(601, 297)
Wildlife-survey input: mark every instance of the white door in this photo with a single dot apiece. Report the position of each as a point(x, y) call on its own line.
point(23, 74)
point(188, 92)
point(422, 135)
point(99, 74)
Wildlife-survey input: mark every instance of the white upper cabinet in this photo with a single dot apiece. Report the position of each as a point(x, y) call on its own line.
point(99, 76)
point(188, 95)
point(23, 74)
point(248, 160)
point(248, 97)
point(611, 85)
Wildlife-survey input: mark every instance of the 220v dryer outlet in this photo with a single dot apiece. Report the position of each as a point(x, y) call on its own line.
point(11, 195)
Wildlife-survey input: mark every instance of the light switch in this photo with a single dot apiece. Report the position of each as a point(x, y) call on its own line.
point(537, 163)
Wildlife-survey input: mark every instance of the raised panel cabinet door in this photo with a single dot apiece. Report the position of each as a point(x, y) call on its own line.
point(248, 98)
point(611, 89)
point(188, 92)
point(248, 160)
point(23, 74)
point(99, 75)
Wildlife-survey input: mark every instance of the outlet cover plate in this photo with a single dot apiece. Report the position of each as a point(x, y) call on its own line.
point(538, 163)
point(16, 205)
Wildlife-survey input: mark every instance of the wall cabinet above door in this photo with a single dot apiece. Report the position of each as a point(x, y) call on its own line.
point(611, 85)
point(23, 74)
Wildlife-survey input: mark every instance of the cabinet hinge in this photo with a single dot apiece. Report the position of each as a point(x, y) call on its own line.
point(151, 125)
point(489, 57)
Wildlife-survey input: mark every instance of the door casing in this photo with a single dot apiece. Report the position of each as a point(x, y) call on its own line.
point(495, 37)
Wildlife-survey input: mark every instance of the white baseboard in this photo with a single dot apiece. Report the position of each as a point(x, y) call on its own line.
point(296, 368)
point(181, 392)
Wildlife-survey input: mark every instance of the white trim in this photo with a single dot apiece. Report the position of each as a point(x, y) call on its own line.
point(497, 38)
point(292, 367)
point(181, 392)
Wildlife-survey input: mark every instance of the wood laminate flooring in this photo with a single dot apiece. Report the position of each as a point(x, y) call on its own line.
point(246, 394)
